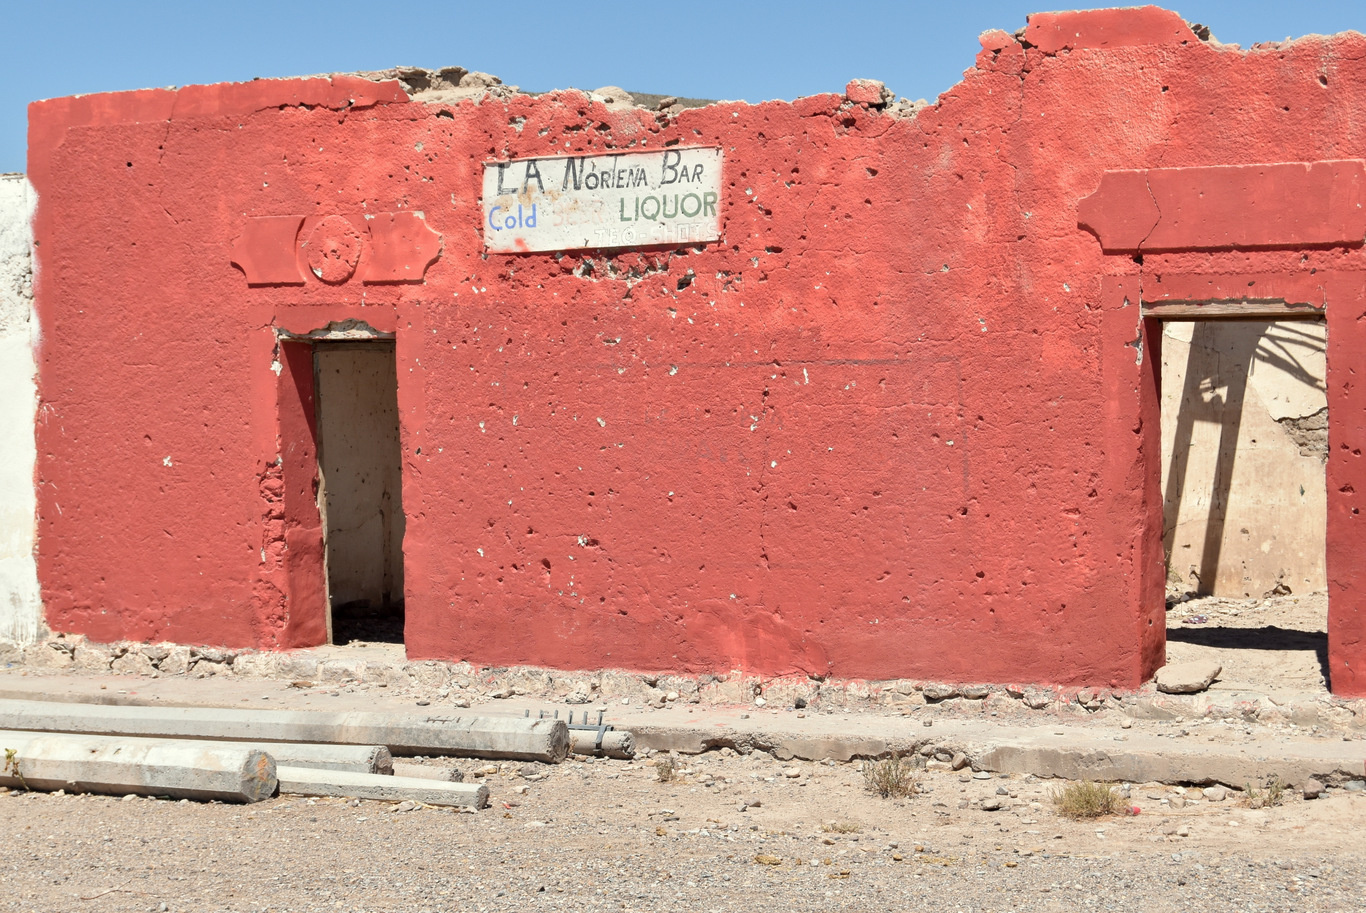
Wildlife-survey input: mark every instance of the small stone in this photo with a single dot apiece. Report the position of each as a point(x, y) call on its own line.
point(1215, 793)
point(959, 761)
point(974, 692)
point(792, 773)
point(754, 802)
point(667, 101)
point(937, 692)
point(981, 775)
point(1187, 678)
point(1126, 724)
point(759, 702)
point(1002, 791)
point(1354, 786)
point(991, 804)
point(671, 696)
point(461, 702)
point(1183, 831)
point(1312, 788)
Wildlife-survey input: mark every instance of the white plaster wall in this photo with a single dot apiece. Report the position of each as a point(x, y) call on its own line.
point(1245, 506)
point(21, 615)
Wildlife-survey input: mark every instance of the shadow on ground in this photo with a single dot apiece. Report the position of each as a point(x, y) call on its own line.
point(1269, 637)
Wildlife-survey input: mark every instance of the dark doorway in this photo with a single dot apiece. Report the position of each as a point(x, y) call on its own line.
point(360, 490)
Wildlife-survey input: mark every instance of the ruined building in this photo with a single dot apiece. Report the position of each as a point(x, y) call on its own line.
point(843, 386)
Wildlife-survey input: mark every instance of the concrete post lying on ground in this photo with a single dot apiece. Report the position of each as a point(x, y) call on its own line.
point(360, 759)
point(299, 781)
point(509, 738)
point(422, 772)
point(615, 744)
point(147, 767)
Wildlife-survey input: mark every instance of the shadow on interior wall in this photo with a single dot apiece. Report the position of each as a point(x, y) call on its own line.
point(1280, 344)
point(1269, 637)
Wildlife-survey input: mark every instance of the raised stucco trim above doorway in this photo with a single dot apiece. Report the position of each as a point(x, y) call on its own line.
point(1281, 205)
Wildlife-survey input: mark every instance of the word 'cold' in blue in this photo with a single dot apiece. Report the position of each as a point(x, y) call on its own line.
point(522, 218)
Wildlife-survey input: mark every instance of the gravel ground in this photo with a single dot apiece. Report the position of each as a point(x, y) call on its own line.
point(610, 835)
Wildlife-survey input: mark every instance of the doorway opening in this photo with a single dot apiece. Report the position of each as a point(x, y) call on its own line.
point(1244, 452)
point(360, 488)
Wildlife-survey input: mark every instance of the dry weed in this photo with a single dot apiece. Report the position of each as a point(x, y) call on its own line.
point(891, 778)
point(1086, 799)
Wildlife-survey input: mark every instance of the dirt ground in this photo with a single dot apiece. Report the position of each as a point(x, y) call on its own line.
point(728, 832)
point(1276, 644)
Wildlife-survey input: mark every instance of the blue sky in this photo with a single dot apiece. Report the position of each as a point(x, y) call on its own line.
point(696, 48)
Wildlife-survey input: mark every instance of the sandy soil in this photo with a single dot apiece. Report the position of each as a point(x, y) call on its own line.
point(729, 832)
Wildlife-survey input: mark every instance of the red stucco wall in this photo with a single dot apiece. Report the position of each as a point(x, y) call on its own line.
point(900, 423)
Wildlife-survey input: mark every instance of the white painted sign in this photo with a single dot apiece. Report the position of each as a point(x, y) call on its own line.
point(619, 199)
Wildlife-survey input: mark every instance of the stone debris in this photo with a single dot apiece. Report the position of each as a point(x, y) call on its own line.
point(934, 691)
point(614, 96)
point(1311, 789)
point(1187, 678)
point(869, 92)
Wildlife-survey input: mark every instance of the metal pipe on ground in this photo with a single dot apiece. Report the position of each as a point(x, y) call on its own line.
point(148, 767)
point(615, 744)
point(299, 781)
point(506, 738)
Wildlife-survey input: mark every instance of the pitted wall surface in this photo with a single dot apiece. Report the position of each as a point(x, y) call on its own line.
point(20, 608)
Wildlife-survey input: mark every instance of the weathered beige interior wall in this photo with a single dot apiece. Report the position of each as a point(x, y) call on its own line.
point(359, 460)
point(21, 617)
point(1244, 445)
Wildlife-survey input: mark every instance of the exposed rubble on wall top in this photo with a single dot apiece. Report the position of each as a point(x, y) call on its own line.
point(451, 85)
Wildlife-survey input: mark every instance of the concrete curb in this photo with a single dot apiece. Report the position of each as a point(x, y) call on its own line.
point(1094, 745)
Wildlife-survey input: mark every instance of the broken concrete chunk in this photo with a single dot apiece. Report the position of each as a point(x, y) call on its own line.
point(615, 96)
point(1187, 678)
point(479, 80)
point(867, 92)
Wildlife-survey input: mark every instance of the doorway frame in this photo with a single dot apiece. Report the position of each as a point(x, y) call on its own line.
point(1339, 298)
point(307, 608)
